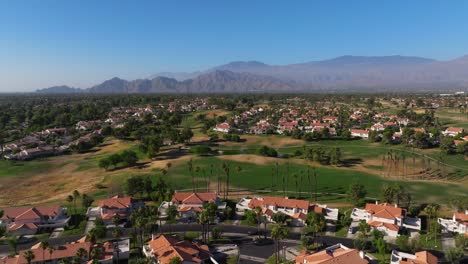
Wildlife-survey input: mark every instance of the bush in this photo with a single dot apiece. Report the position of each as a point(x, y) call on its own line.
point(201, 150)
point(231, 137)
point(267, 151)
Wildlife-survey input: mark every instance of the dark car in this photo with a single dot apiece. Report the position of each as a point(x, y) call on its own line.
point(263, 242)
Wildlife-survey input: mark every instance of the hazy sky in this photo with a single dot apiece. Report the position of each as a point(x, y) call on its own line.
point(81, 43)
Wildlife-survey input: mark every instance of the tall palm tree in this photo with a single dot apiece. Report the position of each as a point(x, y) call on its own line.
point(43, 245)
point(76, 195)
point(29, 256)
point(51, 250)
point(204, 221)
point(278, 233)
point(13, 243)
point(258, 211)
point(190, 169)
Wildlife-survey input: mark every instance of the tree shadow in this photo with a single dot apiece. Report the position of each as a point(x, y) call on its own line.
point(350, 162)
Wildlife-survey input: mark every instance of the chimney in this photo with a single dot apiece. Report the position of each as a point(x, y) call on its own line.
point(396, 205)
point(152, 236)
point(361, 254)
point(376, 202)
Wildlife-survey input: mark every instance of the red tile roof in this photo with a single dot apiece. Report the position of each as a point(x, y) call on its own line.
point(386, 225)
point(13, 213)
point(279, 202)
point(337, 256)
point(166, 247)
point(385, 211)
point(194, 198)
point(116, 202)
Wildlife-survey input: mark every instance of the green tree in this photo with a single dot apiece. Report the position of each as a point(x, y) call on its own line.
point(382, 248)
point(175, 260)
point(277, 234)
point(454, 255)
point(279, 218)
point(356, 193)
point(43, 245)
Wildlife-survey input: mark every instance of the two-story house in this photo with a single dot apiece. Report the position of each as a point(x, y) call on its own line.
point(109, 208)
point(458, 223)
point(296, 209)
point(28, 220)
point(386, 218)
point(190, 204)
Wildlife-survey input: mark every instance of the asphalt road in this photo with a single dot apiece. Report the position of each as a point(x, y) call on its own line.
point(245, 247)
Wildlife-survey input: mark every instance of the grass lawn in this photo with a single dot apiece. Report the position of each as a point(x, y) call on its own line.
point(22, 168)
point(330, 180)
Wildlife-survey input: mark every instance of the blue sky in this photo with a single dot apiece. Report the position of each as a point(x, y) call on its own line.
point(83, 42)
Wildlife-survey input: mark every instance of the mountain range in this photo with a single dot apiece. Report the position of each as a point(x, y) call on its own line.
point(345, 73)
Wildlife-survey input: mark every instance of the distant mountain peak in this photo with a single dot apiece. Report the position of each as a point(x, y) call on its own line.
point(239, 65)
point(374, 60)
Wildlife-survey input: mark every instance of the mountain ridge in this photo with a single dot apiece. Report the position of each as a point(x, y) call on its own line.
point(340, 73)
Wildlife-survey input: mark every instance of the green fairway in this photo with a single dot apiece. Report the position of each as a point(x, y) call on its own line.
point(330, 179)
point(22, 168)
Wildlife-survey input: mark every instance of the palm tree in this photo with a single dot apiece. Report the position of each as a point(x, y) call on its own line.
point(43, 245)
point(278, 233)
point(258, 211)
point(190, 168)
point(81, 253)
point(13, 243)
point(29, 256)
point(204, 221)
point(96, 253)
point(76, 195)
point(51, 251)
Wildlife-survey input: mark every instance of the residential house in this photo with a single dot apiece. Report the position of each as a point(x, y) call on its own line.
point(190, 204)
point(421, 257)
point(28, 220)
point(336, 254)
point(296, 209)
point(223, 128)
point(161, 249)
point(88, 125)
point(386, 218)
point(31, 153)
point(66, 253)
point(286, 127)
point(109, 208)
point(453, 131)
point(458, 223)
point(360, 133)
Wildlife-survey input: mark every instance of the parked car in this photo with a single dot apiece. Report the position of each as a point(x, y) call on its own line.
point(263, 242)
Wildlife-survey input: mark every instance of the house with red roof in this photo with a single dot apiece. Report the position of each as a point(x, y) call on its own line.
point(336, 254)
point(458, 223)
point(296, 209)
point(360, 133)
point(29, 220)
point(453, 131)
point(189, 204)
point(223, 128)
point(68, 252)
point(161, 249)
point(107, 209)
point(386, 218)
point(421, 257)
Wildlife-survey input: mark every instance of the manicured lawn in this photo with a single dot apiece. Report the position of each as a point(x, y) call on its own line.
point(22, 168)
point(330, 180)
